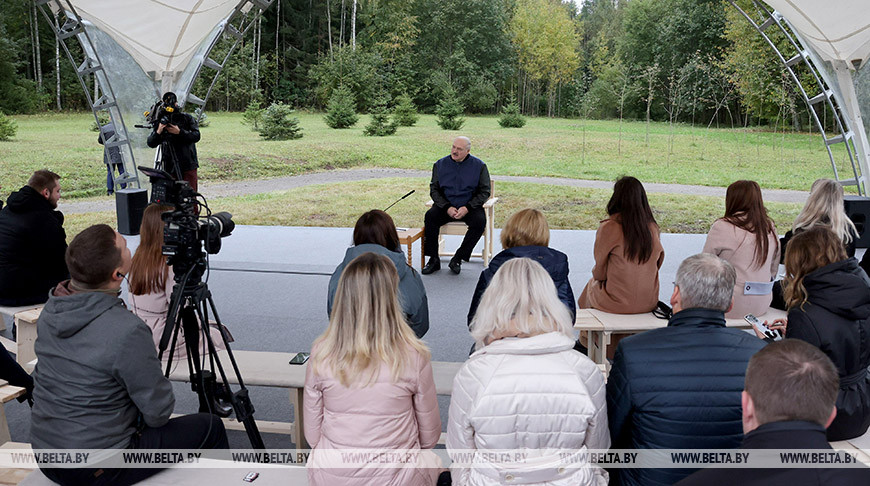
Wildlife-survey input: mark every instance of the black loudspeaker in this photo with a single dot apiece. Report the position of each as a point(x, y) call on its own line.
point(130, 204)
point(858, 210)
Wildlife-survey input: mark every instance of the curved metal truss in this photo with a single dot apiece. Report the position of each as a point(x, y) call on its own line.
point(232, 33)
point(70, 25)
point(825, 96)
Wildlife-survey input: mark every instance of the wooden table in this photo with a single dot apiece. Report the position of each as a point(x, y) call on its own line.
point(600, 325)
point(407, 236)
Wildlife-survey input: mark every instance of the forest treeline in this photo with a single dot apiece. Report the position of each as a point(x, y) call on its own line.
point(691, 61)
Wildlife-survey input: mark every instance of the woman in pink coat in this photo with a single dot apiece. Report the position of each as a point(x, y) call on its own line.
point(369, 385)
point(746, 238)
point(151, 281)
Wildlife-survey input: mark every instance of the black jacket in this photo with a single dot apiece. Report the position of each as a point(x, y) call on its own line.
point(678, 387)
point(836, 319)
point(783, 243)
point(554, 262)
point(32, 248)
point(183, 145)
point(782, 435)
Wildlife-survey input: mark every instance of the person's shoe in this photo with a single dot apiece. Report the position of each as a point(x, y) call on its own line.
point(455, 265)
point(432, 266)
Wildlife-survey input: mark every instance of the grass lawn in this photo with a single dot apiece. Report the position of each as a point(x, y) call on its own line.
point(230, 151)
point(565, 207)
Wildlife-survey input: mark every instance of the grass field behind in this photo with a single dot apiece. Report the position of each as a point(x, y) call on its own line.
point(230, 151)
point(339, 205)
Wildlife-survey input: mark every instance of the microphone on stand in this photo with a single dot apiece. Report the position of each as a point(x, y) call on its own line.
point(403, 197)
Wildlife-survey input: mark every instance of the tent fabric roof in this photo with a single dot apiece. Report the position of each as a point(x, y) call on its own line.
point(160, 35)
point(839, 30)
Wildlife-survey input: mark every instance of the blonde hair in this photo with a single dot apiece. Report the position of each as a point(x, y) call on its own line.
point(521, 299)
point(825, 207)
point(527, 227)
point(367, 328)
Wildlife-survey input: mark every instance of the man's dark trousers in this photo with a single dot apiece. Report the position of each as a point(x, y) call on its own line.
point(437, 217)
point(195, 431)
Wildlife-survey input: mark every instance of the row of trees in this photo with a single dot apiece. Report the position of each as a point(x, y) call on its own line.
point(693, 61)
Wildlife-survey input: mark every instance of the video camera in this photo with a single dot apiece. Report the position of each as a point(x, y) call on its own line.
point(185, 232)
point(160, 113)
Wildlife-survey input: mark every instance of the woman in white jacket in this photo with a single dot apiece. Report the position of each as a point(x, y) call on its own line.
point(525, 390)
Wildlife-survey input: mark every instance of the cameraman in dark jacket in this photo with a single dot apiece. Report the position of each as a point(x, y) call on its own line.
point(181, 134)
point(32, 242)
point(678, 387)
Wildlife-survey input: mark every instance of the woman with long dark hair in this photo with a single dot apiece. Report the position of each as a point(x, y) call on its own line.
point(151, 280)
point(628, 255)
point(746, 238)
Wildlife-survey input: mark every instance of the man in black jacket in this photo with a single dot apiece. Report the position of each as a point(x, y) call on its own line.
point(180, 136)
point(32, 242)
point(459, 187)
point(679, 387)
point(789, 400)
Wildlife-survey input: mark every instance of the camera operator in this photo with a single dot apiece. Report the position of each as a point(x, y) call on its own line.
point(178, 133)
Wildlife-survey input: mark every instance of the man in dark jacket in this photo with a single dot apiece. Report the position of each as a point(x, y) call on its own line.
point(459, 187)
point(32, 242)
point(789, 400)
point(111, 157)
point(679, 387)
point(180, 134)
point(98, 382)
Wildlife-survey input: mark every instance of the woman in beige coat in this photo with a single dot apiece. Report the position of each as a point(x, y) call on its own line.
point(746, 238)
point(628, 255)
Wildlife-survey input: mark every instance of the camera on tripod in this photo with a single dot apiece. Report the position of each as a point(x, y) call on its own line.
point(184, 229)
point(160, 113)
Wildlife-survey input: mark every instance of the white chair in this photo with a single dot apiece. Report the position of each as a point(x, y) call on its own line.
point(459, 228)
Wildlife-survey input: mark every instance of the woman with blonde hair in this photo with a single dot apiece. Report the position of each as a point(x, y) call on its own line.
point(824, 208)
point(628, 254)
point(527, 234)
point(746, 238)
point(828, 297)
point(525, 388)
point(369, 383)
point(151, 280)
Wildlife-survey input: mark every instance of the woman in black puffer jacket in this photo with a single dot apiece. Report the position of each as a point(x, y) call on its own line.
point(828, 297)
point(527, 235)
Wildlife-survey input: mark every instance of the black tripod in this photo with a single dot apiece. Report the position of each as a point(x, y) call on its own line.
point(188, 313)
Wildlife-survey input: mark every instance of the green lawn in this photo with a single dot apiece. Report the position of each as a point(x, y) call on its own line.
point(565, 207)
point(230, 151)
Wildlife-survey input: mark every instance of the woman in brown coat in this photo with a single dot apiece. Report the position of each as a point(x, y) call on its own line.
point(628, 255)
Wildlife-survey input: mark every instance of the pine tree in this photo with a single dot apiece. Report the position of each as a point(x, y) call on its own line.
point(278, 124)
point(380, 126)
point(405, 112)
point(511, 116)
point(341, 111)
point(253, 115)
point(8, 127)
point(450, 111)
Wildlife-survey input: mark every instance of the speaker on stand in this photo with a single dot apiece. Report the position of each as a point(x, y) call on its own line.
point(130, 205)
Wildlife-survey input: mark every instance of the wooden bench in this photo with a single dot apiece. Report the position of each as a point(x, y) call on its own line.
point(7, 394)
point(599, 325)
point(7, 343)
point(222, 473)
point(272, 369)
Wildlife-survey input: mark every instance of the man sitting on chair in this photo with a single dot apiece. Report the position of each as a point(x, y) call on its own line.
point(460, 185)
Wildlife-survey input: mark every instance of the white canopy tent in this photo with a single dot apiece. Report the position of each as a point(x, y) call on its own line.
point(837, 35)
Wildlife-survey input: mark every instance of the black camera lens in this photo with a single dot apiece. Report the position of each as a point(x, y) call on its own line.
point(221, 223)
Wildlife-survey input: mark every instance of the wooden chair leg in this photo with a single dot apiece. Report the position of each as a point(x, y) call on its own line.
point(298, 423)
point(4, 426)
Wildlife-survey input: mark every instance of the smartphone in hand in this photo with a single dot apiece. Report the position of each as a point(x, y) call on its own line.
point(764, 330)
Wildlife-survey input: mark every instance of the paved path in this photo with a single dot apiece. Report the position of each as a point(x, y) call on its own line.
point(241, 188)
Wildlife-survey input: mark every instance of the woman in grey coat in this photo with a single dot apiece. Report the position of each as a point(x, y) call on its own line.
point(375, 232)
